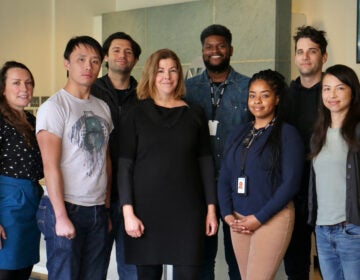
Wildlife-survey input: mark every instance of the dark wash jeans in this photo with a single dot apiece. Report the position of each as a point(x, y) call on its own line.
point(82, 257)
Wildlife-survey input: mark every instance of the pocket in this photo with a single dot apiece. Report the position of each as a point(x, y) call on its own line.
point(352, 230)
point(238, 111)
point(71, 208)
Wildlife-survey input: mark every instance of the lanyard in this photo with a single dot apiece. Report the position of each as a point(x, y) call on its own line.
point(249, 139)
point(216, 104)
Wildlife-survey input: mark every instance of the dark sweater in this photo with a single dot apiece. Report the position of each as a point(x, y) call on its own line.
point(261, 201)
point(301, 109)
point(119, 102)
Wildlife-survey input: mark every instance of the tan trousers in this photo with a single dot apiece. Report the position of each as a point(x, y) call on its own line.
point(259, 255)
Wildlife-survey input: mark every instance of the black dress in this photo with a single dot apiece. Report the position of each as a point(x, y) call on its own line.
point(163, 153)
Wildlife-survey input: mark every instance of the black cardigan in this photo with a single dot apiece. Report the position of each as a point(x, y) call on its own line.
point(352, 189)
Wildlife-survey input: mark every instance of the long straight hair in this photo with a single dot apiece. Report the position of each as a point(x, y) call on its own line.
point(348, 129)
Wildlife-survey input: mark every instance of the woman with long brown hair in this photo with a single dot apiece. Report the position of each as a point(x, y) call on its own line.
point(20, 170)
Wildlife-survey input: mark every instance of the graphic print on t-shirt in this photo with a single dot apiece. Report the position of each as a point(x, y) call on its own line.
point(89, 133)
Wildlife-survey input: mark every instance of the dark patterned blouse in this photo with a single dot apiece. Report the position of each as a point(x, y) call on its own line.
point(17, 159)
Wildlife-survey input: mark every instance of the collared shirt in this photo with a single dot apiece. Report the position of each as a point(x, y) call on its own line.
point(232, 109)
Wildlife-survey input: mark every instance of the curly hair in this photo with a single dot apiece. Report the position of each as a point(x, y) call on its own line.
point(317, 36)
point(216, 29)
point(276, 82)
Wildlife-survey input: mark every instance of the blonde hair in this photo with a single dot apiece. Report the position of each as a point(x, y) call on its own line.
point(146, 87)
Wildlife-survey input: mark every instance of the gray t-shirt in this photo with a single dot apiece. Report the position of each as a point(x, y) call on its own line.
point(330, 170)
point(84, 126)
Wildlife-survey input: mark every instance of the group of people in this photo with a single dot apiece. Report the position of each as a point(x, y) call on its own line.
point(157, 166)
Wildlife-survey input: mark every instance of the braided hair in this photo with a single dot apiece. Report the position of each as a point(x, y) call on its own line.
point(277, 83)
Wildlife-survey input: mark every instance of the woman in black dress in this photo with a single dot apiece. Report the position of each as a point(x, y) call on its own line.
point(166, 178)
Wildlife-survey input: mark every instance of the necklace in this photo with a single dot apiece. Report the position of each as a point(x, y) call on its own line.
point(254, 133)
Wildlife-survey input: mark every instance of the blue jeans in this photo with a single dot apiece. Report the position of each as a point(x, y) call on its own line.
point(82, 257)
point(125, 271)
point(338, 248)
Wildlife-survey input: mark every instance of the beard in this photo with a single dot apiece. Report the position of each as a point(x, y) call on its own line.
point(123, 71)
point(222, 67)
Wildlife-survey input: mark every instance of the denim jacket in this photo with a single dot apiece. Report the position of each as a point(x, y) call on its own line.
point(232, 110)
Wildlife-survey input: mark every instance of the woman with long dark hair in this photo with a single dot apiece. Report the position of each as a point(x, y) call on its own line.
point(20, 170)
point(334, 192)
point(261, 173)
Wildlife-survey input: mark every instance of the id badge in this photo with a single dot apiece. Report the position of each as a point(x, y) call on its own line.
point(242, 185)
point(213, 127)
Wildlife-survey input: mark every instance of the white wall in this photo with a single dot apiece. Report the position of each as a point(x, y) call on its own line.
point(25, 34)
point(123, 5)
point(35, 32)
point(338, 19)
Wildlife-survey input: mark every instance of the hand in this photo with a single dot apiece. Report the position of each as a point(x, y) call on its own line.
point(229, 219)
point(133, 226)
point(211, 224)
point(247, 225)
point(65, 228)
point(234, 224)
point(2, 235)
